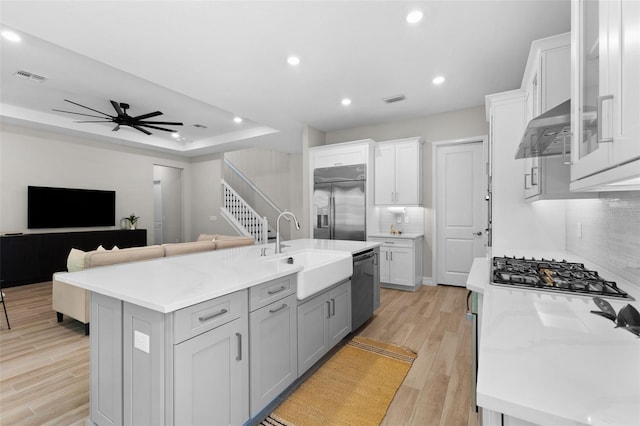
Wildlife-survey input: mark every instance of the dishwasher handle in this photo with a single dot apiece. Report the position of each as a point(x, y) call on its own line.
point(363, 256)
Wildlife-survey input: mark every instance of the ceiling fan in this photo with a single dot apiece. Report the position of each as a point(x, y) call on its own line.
point(138, 122)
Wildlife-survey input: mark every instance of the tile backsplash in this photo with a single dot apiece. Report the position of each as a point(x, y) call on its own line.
point(610, 232)
point(414, 225)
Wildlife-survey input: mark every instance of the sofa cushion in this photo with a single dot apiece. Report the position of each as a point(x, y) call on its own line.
point(226, 241)
point(184, 248)
point(112, 257)
point(75, 260)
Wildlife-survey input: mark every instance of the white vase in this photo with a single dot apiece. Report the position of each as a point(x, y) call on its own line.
point(133, 226)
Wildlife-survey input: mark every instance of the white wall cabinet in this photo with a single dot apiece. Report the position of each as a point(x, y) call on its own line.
point(398, 172)
point(273, 343)
point(323, 320)
point(400, 262)
point(605, 95)
point(342, 154)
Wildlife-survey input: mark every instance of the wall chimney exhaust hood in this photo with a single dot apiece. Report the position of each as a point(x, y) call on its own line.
point(547, 134)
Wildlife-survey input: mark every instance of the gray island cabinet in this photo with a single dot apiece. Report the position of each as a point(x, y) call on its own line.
point(323, 320)
point(190, 366)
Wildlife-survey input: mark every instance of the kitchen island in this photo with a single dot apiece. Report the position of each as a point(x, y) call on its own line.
point(173, 339)
point(544, 359)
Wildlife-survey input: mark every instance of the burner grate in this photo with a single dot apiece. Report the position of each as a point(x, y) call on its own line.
point(553, 275)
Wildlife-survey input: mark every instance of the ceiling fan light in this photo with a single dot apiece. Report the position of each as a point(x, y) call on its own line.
point(237, 120)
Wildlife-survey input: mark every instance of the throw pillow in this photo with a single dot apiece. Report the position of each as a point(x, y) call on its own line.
point(75, 260)
point(100, 248)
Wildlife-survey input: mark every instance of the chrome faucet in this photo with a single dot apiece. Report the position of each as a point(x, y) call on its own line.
point(278, 245)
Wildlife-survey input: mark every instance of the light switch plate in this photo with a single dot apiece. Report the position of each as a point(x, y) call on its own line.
point(141, 341)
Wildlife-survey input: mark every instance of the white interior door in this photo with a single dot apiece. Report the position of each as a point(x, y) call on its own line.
point(460, 210)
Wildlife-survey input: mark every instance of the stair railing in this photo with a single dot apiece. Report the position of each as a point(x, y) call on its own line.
point(243, 217)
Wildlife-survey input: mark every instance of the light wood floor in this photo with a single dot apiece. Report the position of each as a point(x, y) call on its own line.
point(44, 366)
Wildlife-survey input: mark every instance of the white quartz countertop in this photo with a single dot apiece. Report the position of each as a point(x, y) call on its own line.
point(543, 357)
point(405, 235)
point(171, 283)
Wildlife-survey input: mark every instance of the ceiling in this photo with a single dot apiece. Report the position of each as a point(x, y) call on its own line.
point(206, 62)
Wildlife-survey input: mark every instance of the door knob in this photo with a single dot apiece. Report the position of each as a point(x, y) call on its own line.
point(479, 233)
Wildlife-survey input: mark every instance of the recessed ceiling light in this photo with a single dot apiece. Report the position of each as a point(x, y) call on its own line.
point(293, 60)
point(346, 102)
point(237, 120)
point(414, 17)
point(175, 135)
point(11, 36)
point(438, 80)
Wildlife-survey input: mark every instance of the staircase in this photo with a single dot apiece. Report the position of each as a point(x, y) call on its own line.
point(242, 217)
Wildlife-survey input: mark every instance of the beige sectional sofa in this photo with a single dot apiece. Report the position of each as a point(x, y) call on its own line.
point(74, 301)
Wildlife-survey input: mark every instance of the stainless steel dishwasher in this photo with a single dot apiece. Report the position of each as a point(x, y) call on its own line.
point(365, 287)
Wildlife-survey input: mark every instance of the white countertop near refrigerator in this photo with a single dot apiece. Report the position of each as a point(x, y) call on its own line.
point(544, 358)
point(404, 235)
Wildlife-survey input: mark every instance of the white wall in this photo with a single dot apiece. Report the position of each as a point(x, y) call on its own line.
point(44, 158)
point(310, 137)
point(449, 125)
point(206, 197)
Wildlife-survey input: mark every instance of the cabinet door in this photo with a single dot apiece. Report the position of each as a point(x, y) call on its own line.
point(339, 156)
point(408, 173)
point(385, 171)
point(340, 320)
point(274, 353)
point(624, 78)
point(312, 331)
point(385, 265)
point(401, 267)
point(209, 377)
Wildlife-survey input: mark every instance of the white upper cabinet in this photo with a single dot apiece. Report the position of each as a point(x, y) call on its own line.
point(605, 95)
point(342, 154)
point(398, 172)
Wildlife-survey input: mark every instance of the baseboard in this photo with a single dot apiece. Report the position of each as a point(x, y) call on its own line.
point(427, 281)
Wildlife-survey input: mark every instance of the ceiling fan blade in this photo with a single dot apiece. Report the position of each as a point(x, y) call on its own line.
point(115, 129)
point(141, 129)
point(169, 123)
point(155, 127)
point(93, 121)
point(94, 110)
point(116, 106)
point(79, 113)
point(149, 115)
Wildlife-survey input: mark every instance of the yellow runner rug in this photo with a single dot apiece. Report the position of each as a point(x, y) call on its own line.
point(354, 387)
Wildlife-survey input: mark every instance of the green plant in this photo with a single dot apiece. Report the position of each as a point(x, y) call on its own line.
point(133, 219)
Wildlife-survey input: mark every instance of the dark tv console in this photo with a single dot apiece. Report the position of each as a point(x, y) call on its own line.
point(33, 258)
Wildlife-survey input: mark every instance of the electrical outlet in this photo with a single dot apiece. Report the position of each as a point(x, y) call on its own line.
point(141, 341)
point(398, 219)
point(406, 218)
point(579, 230)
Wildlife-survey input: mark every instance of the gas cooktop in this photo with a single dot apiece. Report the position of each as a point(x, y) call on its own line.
point(553, 275)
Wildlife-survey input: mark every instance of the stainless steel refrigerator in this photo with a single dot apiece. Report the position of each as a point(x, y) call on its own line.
point(339, 203)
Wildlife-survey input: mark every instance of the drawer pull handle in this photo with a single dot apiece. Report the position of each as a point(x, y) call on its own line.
point(273, 311)
point(239, 357)
point(328, 309)
point(277, 290)
point(217, 314)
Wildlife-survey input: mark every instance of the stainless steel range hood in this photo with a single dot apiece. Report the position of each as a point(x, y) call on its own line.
point(547, 134)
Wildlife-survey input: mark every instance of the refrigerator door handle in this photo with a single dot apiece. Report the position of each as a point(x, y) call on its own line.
point(331, 217)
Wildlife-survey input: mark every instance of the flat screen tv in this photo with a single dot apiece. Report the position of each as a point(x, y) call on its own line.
point(69, 207)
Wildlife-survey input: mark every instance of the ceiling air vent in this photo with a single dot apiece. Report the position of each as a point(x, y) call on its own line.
point(200, 126)
point(392, 99)
point(30, 76)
